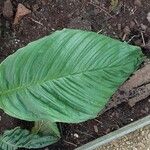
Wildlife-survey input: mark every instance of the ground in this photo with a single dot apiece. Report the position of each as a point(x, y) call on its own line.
point(126, 20)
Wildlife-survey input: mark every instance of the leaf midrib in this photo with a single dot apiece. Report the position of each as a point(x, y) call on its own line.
point(44, 81)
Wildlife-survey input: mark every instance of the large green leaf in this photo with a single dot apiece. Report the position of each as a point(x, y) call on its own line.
point(68, 76)
point(21, 138)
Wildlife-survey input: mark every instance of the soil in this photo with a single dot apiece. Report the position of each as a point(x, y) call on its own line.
point(125, 20)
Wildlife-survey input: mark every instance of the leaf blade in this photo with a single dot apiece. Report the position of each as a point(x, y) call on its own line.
point(22, 138)
point(68, 76)
point(45, 128)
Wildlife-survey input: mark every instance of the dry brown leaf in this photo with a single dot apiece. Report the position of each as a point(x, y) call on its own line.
point(21, 12)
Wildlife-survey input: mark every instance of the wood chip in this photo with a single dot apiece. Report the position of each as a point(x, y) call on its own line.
point(21, 12)
point(133, 90)
point(141, 76)
point(143, 94)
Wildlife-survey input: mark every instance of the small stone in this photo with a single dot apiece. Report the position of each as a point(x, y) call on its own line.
point(148, 17)
point(115, 144)
point(76, 135)
point(8, 9)
point(95, 128)
point(142, 133)
point(137, 3)
point(144, 27)
point(21, 12)
point(128, 142)
point(147, 109)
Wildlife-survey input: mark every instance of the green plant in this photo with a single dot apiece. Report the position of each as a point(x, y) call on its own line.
point(68, 76)
point(22, 138)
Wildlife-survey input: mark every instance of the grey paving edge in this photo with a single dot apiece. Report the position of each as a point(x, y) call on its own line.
point(116, 134)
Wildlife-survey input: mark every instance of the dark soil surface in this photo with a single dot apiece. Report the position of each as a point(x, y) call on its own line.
point(125, 20)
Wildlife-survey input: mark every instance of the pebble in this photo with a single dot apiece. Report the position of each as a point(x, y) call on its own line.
point(76, 135)
point(142, 133)
point(138, 3)
point(144, 27)
point(115, 144)
point(148, 17)
point(35, 7)
point(95, 128)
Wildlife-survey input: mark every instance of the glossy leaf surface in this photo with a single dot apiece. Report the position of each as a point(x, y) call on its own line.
point(21, 138)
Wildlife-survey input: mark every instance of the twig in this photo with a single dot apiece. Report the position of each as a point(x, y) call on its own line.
point(132, 38)
point(133, 11)
point(70, 143)
point(103, 9)
point(143, 39)
point(36, 21)
point(99, 31)
point(136, 22)
point(85, 133)
point(124, 37)
point(97, 121)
